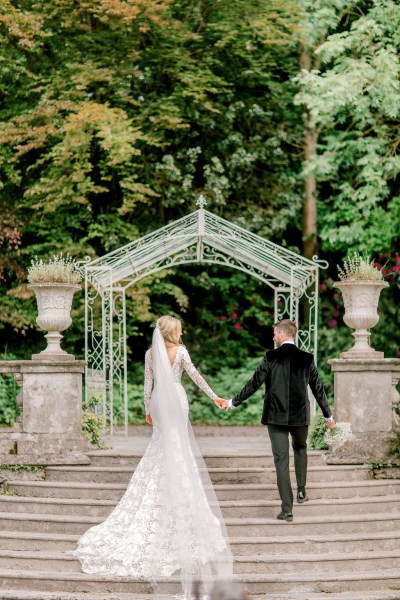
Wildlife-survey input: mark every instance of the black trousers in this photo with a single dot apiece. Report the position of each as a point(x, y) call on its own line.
point(279, 436)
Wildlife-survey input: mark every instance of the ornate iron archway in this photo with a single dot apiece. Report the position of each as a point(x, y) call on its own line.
point(200, 237)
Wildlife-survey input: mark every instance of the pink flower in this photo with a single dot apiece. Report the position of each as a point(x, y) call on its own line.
point(238, 326)
point(398, 352)
point(234, 316)
point(322, 286)
point(223, 318)
point(266, 312)
point(332, 323)
point(336, 313)
point(335, 295)
point(396, 268)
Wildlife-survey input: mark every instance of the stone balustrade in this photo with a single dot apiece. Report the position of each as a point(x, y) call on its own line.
point(365, 395)
point(49, 428)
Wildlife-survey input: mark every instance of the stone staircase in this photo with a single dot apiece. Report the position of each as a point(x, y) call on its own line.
point(344, 544)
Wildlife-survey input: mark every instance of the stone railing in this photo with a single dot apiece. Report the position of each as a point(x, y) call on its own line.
point(49, 428)
point(366, 395)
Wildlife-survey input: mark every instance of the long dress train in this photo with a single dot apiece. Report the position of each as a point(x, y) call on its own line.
point(168, 519)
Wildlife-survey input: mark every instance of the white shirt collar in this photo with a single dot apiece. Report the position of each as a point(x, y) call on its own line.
point(288, 342)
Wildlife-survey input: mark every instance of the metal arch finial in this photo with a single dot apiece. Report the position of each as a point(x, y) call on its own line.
point(201, 201)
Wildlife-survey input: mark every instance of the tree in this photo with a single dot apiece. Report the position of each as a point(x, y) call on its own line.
point(319, 20)
point(116, 115)
point(354, 104)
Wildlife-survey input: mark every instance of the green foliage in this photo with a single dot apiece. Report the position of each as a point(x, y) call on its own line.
point(115, 116)
point(93, 424)
point(20, 467)
point(5, 489)
point(355, 105)
point(9, 410)
point(227, 382)
point(394, 442)
point(383, 470)
point(316, 433)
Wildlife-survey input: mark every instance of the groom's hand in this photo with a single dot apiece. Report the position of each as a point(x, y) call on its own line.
point(330, 424)
point(221, 403)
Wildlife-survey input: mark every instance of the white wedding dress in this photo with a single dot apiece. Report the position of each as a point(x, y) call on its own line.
point(168, 520)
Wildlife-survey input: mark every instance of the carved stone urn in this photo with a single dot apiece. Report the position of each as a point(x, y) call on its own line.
point(361, 299)
point(54, 301)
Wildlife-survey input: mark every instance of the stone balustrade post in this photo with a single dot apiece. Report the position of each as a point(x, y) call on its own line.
point(365, 395)
point(49, 429)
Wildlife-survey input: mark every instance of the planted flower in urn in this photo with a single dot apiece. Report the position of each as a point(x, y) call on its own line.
point(361, 283)
point(54, 283)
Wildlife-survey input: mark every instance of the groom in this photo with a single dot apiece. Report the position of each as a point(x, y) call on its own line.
point(286, 372)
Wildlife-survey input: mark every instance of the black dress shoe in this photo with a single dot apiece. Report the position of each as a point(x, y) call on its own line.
point(285, 517)
point(301, 497)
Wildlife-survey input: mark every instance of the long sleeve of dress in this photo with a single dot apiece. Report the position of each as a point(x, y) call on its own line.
point(148, 381)
point(195, 375)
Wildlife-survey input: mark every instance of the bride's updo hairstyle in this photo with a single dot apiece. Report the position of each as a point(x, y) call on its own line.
point(170, 328)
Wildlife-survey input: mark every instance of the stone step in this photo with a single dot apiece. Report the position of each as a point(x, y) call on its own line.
point(355, 595)
point(300, 526)
point(307, 544)
point(263, 585)
point(316, 544)
point(41, 595)
point(37, 542)
point(251, 509)
point(123, 475)
point(110, 458)
point(258, 564)
point(114, 491)
point(237, 527)
point(311, 563)
point(33, 595)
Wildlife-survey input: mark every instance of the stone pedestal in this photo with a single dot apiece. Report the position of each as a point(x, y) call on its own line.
point(365, 395)
point(49, 430)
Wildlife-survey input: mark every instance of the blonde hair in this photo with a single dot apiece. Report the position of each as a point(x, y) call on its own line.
point(170, 328)
point(288, 327)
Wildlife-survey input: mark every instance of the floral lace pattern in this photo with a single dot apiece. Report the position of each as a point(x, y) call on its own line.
point(122, 544)
point(182, 363)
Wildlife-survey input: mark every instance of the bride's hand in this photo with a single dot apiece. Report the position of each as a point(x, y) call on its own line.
point(221, 403)
point(149, 420)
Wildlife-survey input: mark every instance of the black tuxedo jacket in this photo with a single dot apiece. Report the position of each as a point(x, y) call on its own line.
point(286, 372)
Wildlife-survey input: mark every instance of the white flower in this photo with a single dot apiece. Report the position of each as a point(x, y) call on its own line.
point(334, 438)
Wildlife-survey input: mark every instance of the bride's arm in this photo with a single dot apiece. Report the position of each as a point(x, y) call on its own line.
point(195, 375)
point(148, 381)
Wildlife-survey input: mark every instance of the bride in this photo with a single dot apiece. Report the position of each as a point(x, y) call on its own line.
point(169, 520)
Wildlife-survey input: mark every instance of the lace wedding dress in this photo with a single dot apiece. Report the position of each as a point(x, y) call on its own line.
point(169, 519)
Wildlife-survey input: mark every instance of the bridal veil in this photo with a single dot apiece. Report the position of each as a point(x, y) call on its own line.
point(188, 489)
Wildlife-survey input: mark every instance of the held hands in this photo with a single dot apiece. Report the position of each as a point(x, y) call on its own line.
point(149, 420)
point(331, 424)
point(222, 403)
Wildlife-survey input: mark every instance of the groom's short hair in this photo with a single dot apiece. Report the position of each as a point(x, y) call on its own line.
point(288, 327)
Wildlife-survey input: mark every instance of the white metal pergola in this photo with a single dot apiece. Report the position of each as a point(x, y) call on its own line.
point(199, 237)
